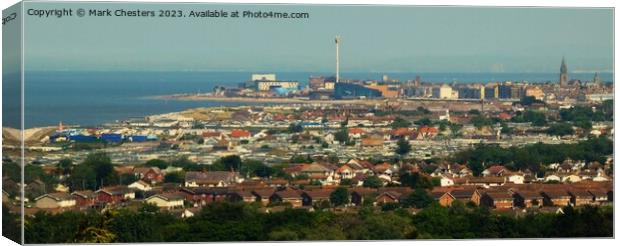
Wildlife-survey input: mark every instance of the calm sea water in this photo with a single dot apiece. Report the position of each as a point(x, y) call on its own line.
point(92, 98)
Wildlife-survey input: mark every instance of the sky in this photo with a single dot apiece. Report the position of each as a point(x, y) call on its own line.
point(374, 39)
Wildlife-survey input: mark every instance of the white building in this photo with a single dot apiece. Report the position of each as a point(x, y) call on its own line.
point(264, 77)
point(55, 200)
point(167, 200)
point(140, 185)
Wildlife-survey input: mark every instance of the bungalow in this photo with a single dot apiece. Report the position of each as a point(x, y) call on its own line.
point(444, 198)
point(580, 197)
point(277, 182)
point(372, 142)
point(601, 177)
point(481, 181)
point(571, 178)
point(240, 134)
point(358, 195)
point(241, 195)
point(385, 169)
point(211, 179)
point(205, 195)
point(289, 196)
point(55, 200)
point(446, 181)
point(556, 197)
point(528, 199)
point(345, 172)
point(495, 170)
point(362, 165)
point(516, 178)
point(316, 196)
point(464, 195)
point(497, 199)
point(212, 135)
point(388, 197)
point(399, 133)
point(325, 173)
point(426, 132)
point(391, 194)
point(140, 185)
point(84, 198)
point(601, 196)
point(263, 195)
point(167, 200)
point(149, 174)
point(115, 194)
point(553, 178)
point(460, 170)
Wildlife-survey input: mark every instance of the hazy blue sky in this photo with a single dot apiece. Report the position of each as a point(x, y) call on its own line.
point(374, 38)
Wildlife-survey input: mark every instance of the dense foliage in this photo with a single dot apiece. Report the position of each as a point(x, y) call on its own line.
point(96, 171)
point(241, 222)
point(11, 226)
point(534, 157)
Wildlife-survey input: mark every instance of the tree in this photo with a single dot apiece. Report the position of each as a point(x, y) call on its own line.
point(455, 129)
point(11, 226)
point(83, 177)
point(373, 182)
point(301, 159)
point(474, 112)
point(344, 123)
point(423, 122)
point(415, 180)
point(127, 178)
point(419, 199)
point(560, 129)
point(345, 182)
point(186, 164)
point(506, 129)
point(339, 197)
point(400, 123)
point(295, 127)
point(342, 136)
point(583, 124)
point(174, 177)
point(228, 163)
point(608, 109)
point(535, 117)
point(102, 165)
point(403, 146)
point(256, 168)
point(480, 121)
point(423, 110)
point(65, 166)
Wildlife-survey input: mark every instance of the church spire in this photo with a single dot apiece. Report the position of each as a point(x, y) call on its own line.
point(563, 68)
point(563, 73)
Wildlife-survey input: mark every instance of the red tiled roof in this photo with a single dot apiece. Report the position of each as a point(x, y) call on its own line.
point(240, 133)
point(211, 134)
point(356, 131)
point(427, 130)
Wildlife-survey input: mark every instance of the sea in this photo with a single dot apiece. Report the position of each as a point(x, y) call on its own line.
point(93, 98)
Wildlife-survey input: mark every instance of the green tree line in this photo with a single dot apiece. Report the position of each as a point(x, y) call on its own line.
point(244, 222)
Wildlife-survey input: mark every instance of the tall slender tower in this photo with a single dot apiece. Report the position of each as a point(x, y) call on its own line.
point(337, 58)
point(563, 74)
point(597, 80)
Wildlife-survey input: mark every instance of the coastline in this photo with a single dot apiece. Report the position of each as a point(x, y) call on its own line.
point(185, 97)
